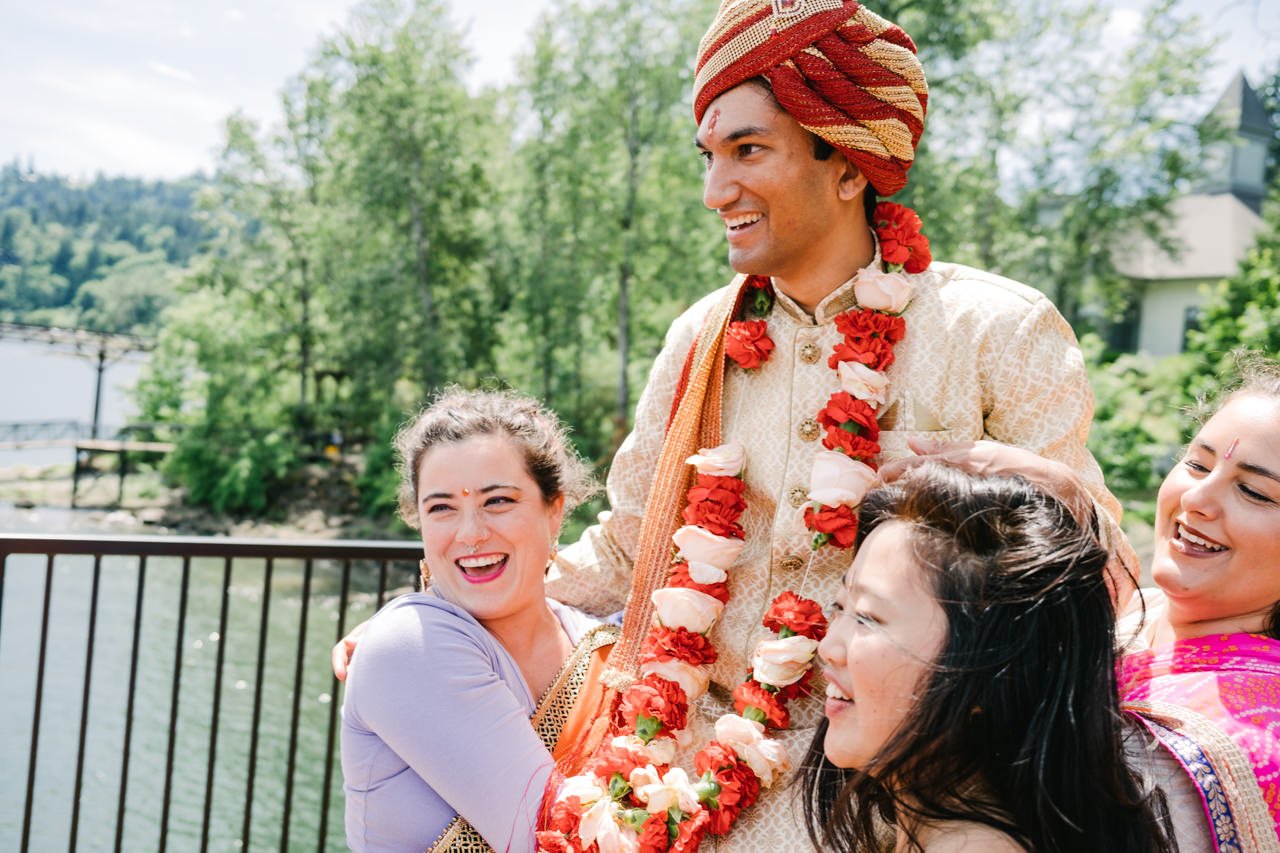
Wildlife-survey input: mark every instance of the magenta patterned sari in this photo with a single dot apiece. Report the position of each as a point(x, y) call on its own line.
point(1214, 702)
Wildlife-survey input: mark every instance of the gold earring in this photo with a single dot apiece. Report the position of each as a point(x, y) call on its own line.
point(424, 571)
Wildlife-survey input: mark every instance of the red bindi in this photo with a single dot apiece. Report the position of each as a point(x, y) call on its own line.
point(1231, 449)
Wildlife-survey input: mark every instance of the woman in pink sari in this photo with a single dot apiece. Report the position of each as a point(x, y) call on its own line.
point(1202, 671)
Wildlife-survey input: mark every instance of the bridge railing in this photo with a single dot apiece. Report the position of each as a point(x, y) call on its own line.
point(176, 691)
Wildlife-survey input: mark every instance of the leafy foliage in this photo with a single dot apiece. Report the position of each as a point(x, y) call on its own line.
point(101, 255)
point(399, 232)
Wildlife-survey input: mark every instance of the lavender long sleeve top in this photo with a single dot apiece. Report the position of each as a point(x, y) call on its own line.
point(436, 723)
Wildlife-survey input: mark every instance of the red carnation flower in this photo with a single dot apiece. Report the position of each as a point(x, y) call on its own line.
point(739, 785)
point(716, 504)
point(839, 524)
point(801, 615)
point(565, 816)
point(679, 577)
point(853, 446)
point(656, 698)
point(798, 689)
point(610, 759)
point(901, 238)
point(663, 644)
point(725, 490)
point(554, 842)
point(749, 694)
point(892, 215)
point(690, 832)
point(748, 343)
point(653, 836)
point(875, 353)
point(844, 408)
point(864, 324)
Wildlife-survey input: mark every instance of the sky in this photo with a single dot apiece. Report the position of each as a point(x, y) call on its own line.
point(143, 87)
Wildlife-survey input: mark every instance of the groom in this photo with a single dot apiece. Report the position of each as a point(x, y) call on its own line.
point(807, 112)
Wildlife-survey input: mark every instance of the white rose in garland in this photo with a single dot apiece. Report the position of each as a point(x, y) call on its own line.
point(677, 607)
point(837, 480)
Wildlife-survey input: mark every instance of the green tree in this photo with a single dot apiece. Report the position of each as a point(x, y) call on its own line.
point(1243, 312)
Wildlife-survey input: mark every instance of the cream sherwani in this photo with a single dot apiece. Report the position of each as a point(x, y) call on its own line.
point(983, 357)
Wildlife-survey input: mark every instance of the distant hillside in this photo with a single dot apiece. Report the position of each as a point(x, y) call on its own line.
point(101, 255)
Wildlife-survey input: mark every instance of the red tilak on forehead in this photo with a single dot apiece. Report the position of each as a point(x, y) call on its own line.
point(713, 121)
point(1231, 449)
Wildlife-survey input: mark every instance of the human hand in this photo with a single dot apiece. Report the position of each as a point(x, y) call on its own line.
point(344, 649)
point(992, 459)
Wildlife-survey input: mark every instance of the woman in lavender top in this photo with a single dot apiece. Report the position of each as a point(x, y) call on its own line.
point(455, 697)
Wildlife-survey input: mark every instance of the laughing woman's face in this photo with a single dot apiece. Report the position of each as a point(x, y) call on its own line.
point(486, 527)
point(1217, 548)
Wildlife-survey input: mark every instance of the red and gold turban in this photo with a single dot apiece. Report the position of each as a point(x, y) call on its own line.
point(843, 72)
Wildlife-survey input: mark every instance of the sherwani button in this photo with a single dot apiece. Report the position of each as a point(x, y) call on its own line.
point(791, 564)
point(810, 353)
point(798, 496)
point(809, 430)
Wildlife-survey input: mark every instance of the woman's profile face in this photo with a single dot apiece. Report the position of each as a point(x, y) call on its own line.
point(886, 632)
point(1217, 531)
point(486, 529)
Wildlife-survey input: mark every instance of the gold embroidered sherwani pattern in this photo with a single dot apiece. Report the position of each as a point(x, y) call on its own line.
point(983, 357)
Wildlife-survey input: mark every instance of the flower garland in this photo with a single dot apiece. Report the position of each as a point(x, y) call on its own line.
point(628, 797)
point(845, 468)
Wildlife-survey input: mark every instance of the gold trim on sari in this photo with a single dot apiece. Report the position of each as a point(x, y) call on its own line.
point(553, 716)
point(1238, 815)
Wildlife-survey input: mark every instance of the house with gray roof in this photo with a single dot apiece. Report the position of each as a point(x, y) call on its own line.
point(1211, 230)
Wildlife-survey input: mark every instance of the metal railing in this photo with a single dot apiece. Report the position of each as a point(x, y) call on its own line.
point(138, 650)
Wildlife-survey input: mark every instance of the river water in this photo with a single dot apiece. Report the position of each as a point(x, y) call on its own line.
point(43, 383)
point(37, 385)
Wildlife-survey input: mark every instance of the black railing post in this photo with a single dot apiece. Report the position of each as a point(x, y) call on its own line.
point(35, 714)
point(84, 702)
point(297, 705)
point(173, 702)
point(257, 704)
point(217, 703)
point(128, 711)
point(334, 688)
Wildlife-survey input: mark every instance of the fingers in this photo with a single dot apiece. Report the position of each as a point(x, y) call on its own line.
point(339, 658)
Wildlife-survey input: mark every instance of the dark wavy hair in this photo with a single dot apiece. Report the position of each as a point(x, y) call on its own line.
point(1255, 375)
point(1018, 723)
point(456, 415)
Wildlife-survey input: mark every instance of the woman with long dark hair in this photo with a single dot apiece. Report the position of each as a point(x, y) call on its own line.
point(972, 699)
